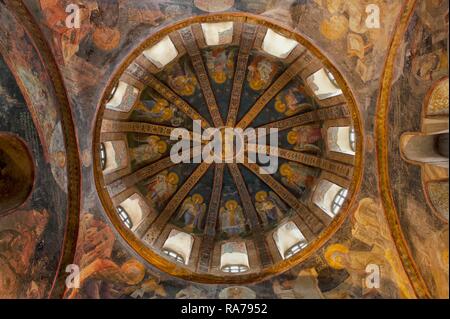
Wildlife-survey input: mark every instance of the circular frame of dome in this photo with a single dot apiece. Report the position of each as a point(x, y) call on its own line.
point(157, 258)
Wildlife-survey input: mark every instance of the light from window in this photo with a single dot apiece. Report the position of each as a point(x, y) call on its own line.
point(234, 269)
point(218, 33)
point(338, 201)
point(178, 246)
point(122, 97)
point(113, 92)
point(102, 156)
point(278, 45)
point(161, 53)
point(323, 84)
point(352, 137)
point(331, 78)
point(295, 249)
point(175, 256)
point(124, 217)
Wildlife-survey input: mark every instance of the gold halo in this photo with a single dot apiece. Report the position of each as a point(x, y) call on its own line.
point(292, 137)
point(257, 85)
point(157, 108)
point(162, 102)
point(333, 261)
point(162, 147)
point(285, 170)
point(261, 196)
point(220, 77)
point(173, 178)
point(231, 205)
point(280, 106)
point(134, 271)
point(153, 138)
point(197, 198)
point(167, 114)
point(334, 28)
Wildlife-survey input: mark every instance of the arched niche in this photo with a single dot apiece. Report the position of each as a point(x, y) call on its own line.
point(429, 149)
point(16, 172)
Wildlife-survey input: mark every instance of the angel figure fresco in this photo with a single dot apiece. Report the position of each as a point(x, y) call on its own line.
point(291, 101)
point(232, 220)
point(297, 176)
point(181, 79)
point(158, 110)
point(152, 150)
point(192, 212)
point(269, 206)
point(261, 72)
point(305, 138)
point(221, 64)
point(162, 187)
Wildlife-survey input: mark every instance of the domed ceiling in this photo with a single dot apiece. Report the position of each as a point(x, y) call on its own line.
point(227, 220)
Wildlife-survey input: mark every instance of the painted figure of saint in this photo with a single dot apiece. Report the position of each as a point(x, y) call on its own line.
point(305, 138)
point(158, 110)
point(220, 63)
point(162, 187)
point(297, 176)
point(181, 79)
point(232, 220)
point(291, 101)
point(150, 151)
point(269, 207)
point(192, 212)
point(260, 73)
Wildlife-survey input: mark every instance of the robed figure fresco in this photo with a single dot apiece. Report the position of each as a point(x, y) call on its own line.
point(270, 208)
point(232, 220)
point(192, 212)
point(297, 176)
point(162, 187)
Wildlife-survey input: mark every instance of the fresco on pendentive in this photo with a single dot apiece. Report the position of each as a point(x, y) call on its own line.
point(423, 64)
point(31, 235)
point(108, 271)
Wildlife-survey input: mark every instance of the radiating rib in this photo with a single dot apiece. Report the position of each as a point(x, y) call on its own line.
point(109, 126)
point(252, 215)
point(306, 159)
point(247, 40)
point(271, 92)
point(139, 73)
point(136, 127)
point(163, 218)
point(119, 185)
point(314, 223)
point(209, 234)
point(202, 76)
point(322, 114)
